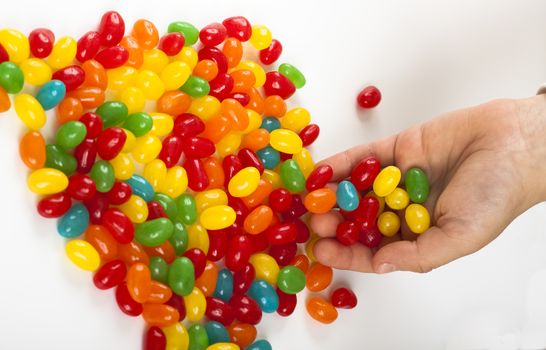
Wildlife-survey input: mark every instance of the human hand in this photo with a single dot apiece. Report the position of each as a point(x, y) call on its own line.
point(486, 165)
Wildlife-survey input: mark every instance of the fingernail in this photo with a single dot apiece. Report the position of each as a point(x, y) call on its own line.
point(386, 268)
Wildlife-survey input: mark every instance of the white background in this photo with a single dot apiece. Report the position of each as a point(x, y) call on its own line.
point(427, 57)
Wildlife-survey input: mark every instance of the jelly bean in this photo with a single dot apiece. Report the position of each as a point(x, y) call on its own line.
point(123, 166)
point(296, 119)
point(81, 187)
point(238, 252)
point(219, 311)
point(301, 262)
point(69, 109)
point(103, 175)
point(159, 315)
point(85, 155)
point(95, 75)
point(196, 305)
point(138, 123)
point(35, 71)
point(258, 220)
point(141, 187)
point(63, 53)
point(213, 34)
point(305, 162)
point(177, 335)
point(398, 199)
point(343, 298)
point(221, 86)
point(197, 147)
point(72, 77)
point(110, 275)
point(126, 303)
point(347, 232)
point(229, 144)
point(16, 44)
point(309, 134)
point(83, 255)
point(187, 210)
point(159, 293)
point(171, 43)
point(417, 185)
point(135, 51)
point(218, 246)
point(54, 206)
point(32, 150)
point(121, 78)
point(197, 177)
point(298, 208)
point(112, 113)
point(247, 310)
point(175, 75)
point(120, 193)
point(224, 285)
point(168, 204)
point(71, 134)
point(388, 223)
point(214, 171)
point(284, 253)
point(250, 159)
point(370, 237)
point(145, 33)
point(321, 310)
point(88, 45)
point(256, 140)
point(260, 345)
point(217, 217)
point(174, 103)
point(287, 303)
point(4, 56)
point(285, 141)
point(111, 28)
point(151, 84)
point(242, 334)
point(29, 110)
point(319, 277)
point(179, 239)
point(96, 206)
point(5, 102)
point(292, 177)
point(291, 280)
point(216, 332)
point(387, 181)
point(195, 87)
point(238, 27)
point(269, 157)
point(347, 196)
point(233, 51)
point(282, 233)
point(176, 181)
point(418, 218)
point(188, 30)
point(207, 281)
point(181, 276)
point(41, 42)
point(198, 259)
point(146, 148)
point(369, 97)
point(265, 267)
point(271, 54)
point(223, 346)
point(277, 84)
point(133, 98)
point(159, 269)
point(139, 282)
point(154, 233)
point(242, 279)
point(292, 73)
point(234, 111)
point(155, 210)
point(261, 37)
point(244, 182)
point(74, 222)
point(365, 172)
point(119, 225)
point(210, 198)
point(319, 177)
point(264, 295)
point(47, 181)
point(155, 339)
point(112, 57)
point(198, 337)
point(214, 54)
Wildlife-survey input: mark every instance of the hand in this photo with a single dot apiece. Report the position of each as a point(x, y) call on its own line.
point(486, 165)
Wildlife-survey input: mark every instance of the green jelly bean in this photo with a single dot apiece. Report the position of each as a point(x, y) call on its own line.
point(199, 339)
point(155, 232)
point(196, 87)
point(188, 30)
point(11, 77)
point(293, 74)
point(57, 158)
point(138, 123)
point(181, 276)
point(159, 269)
point(292, 177)
point(168, 204)
point(179, 239)
point(71, 134)
point(187, 209)
point(112, 113)
point(102, 173)
point(417, 185)
point(291, 280)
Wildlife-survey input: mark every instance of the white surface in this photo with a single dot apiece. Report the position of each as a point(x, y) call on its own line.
point(427, 57)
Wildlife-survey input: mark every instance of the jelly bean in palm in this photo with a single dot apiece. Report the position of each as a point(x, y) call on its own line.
point(224, 285)
point(291, 280)
point(188, 30)
point(264, 295)
point(71, 134)
point(216, 332)
point(154, 232)
point(177, 337)
point(47, 181)
point(285, 141)
point(63, 53)
point(83, 255)
point(29, 110)
point(112, 113)
point(51, 94)
point(138, 123)
point(388, 223)
point(181, 276)
point(365, 172)
point(347, 196)
point(217, 217)
point(417, 218)
point(265, 267)
point(199, 339)
point(103, 175)
point(244, 182)
point(179, 239)
point(321, 310)
point(187, 209)
point(417, 185)
point(196, 87)
point(387, 181)
point(16, 44)
point(41, 42)
point(398, 199)
point(74, 222)
point(32, 150)
point(292, 177)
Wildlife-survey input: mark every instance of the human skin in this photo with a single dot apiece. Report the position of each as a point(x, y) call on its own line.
point(486, 165)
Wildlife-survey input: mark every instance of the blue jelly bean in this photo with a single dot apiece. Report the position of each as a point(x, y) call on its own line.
point(347, 196)
point(264, 295)
point(51, 94)
point(141, 187)
point(224, 285)
point(261, 344)
point(269, 156)
point(216, 332)
point(74, 222)
point(270, 124)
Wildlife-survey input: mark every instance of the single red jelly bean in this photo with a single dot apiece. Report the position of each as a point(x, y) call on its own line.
point(278, 84)
point(259, 242)
point(88, 46)
point(110, 275)
point(171, 151)
point(285, 156)
point(249, 158)
point(369, 97)
point(214, 54)
point(219, 311)
point(282, 233)
point(303, 231)
point(155, 210)
point(93, 124)
point(319, 177)
point(96, 207)
point(232, 165)
point(365, 172)
point(120, 193)
point(271, 54)
point(347, 232)
point(71, 76)
point(119, 225)
point(239, 206)
point(41, 42)
point(246, 309)
point(238, 252)
point(238, 27)
point(126, 302)
point(172, 43)
point(85, 154)
point(198, 147)
point(55, 205)
point(197, 176)
point(177, 302)
point(4, 56)
point(240, 97)
point(370, 237)
point(81, 187)
point(111, 28)
point(188, 125)
point(283, 253)
point(112, 57)
point(280, 200)
point(297, 209)
point(366, 213)
point(155, 339)
point(199, 260)
point(287, 303)
point(213, 34)
point(344, 298)
point(243, 278)
point(309, 134)
point(218, 242)
point(110, 142)
point(221, 86)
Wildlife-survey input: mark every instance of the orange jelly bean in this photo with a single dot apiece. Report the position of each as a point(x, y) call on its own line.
point(301, 262)
point(258, 220)
point(256, 102)
point(90, 96)
point(133, 253)
point(320, 201)
point(173, 103)
point(274, 106)
point(207, 281)
point(242, 334)
point(256, 140)
point(160, 315)
point(233, 50)
point(101, 239)
point(259, 195)
point(321, 310)
point(214, 171)
point(145, 33)
point(139, 282)
point(216, 128)
point(206, 69)
point(95, 75)
point(32, 150)
point(5, 102)
point(165, 251)
point(136, 56)
point(319, 277)
point(159, 293)
point(243, 80)
point(234, 111)
point(70, 109)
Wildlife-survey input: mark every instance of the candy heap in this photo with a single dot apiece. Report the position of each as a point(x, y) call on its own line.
point(180, 177)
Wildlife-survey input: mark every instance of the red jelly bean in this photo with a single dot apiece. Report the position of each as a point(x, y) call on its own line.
point(238, 27)
point(4, 56)
point(88, 46)
point(214, 54)
point(243, 278)
point(188, 125)
point(297, 209)
point(120, 193)
point(110, 142)
point(112, 57)
point(155, 210)
point(282, 233)
point(71, 76)
point(171, 151)
point(110, 275)
point(240, 97)
point(93, 124)
point(319, 177)
point(221, 86)
point(287, 303)
point(55, 205)
point(197, 176)
point(241, 210)
point(271, 54)
point(218, 242)
point(303, 231)
point(177, 302)
point(238, 252)
point(126, 302)
point(155, 339)
point(309, 134)
point(96, 206)
point(280, 200)
point(85, 154)
point(366, 213)
point(199, 260)
point(249, 158)
point(41, 42)
point(213, 34)
point(348, 232)
point(278, 84)
point(111, 28)
point(198, 147)
point(119, 225)
point(365, 172)
point(283, 253)
point(172, 43)
point(246, 309)
point(259, 242)
point(81, 187)
point(219, 311)
point(370, 237)
point(369, 97)
point(343, 298)
point(231, 165)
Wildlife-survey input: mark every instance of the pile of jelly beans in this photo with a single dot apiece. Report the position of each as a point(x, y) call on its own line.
point(181, 179)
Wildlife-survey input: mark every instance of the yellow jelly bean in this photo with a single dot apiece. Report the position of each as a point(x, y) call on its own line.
point(123, 166)
point(150, 83)
point(386, 181)
point(397, 199)
point(388, 223)
point(266, 267)
point(121, 78)
point(417, 218)
point(255, 68)
point(305, 161)
point(16, 44)
point(285, 141)
point(177, 337)
point(309, 249)
point(154, 60)
point(47, 181)
point(187, 55)
point(296, 119)
point(146, 148)
point(176, 181)
point(83, 255)
point(261, 37)
point(30, 111)
point(129, 141)
point(273, 177)
point(381, 201)
point(224, 346)
point(244, 182)
point(198, 238)
point(134, 99)
point(254, 121)
point(63, 53)
point(196, 305)
point(155, 172)
point(35, 71)
point(175, 75)
point(210, 198)
point(229, 144)
point(217, 217)
point(136, 209)
point(163, 124)
point(205, 107)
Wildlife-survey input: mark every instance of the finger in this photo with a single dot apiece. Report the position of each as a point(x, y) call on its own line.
point(356, 257)
point(325, 225)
